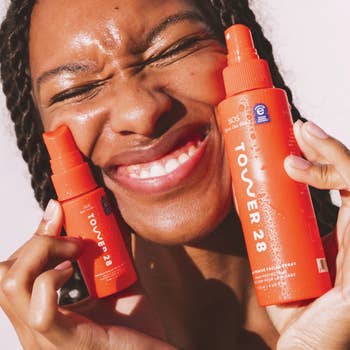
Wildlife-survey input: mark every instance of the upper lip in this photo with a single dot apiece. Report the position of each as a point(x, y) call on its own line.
point(158, 148)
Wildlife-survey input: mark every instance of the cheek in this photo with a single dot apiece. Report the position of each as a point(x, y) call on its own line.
point(201, 80)
point(85, 124)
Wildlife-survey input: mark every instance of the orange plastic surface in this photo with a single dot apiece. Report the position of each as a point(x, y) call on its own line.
point(71, 175)
point(105, 262)
point(280, 229)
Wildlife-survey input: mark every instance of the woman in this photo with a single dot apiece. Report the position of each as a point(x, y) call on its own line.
point(133, 81)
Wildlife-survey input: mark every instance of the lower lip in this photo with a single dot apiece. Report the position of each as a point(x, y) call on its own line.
point(162, 183)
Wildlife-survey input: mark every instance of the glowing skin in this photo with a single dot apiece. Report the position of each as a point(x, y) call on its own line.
point(137, 83)
point(130, 101)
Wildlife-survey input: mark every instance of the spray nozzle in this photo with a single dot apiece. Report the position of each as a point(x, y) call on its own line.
point(245, 70)
point(240, 45)
point(63, 151)
point(71, 174)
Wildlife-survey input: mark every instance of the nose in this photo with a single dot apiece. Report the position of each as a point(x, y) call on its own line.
point(138, 109)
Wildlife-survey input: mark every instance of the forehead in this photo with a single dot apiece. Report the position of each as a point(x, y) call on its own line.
point(60, 16)
point(61, 27)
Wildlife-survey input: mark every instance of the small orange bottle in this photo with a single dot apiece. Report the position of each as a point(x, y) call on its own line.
point(105, 262)
point(279, 225)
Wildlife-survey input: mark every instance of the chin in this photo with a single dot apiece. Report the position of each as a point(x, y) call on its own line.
point(180, 228)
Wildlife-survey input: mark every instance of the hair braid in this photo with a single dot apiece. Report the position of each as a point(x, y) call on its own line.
point(16, 80)
point(14, 36)
point(17, 86)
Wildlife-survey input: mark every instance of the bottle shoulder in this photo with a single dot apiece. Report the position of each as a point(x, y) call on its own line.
point(97, 191)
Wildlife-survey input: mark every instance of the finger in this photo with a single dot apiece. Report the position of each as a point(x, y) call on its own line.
point(51, 223)
point(4, 267)
point(44, 316)
point(24, 333)
point(343, 263)
point(41, 253)
point(308, 151)
point(333, 152)
point(333, 171)
point(343, 239)
point(322, 176)
point(342, 223)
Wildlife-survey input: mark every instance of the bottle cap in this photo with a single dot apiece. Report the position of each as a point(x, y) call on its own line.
point(71, 174)
point(245, 70)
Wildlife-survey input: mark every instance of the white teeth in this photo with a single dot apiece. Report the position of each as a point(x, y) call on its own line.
point(133, 168)
point(144, 174)
point(171, 165)
point(157, 170)
point(183, 158)
point(192, 151)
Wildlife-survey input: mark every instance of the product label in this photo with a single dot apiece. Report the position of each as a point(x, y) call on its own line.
point(251, 202)
point(110, 275)
point(100, 239)
point(261, 114)
point(279, 225)
point(105, 263)
point(274, 276)
point(322, 265)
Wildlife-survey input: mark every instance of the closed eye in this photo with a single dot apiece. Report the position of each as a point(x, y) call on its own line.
point(79, 93)
point(179, 49)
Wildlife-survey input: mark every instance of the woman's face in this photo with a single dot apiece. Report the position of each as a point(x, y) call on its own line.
point(137, 83)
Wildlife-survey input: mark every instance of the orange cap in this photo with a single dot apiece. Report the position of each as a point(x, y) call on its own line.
point(71, 175)
point(245, 70)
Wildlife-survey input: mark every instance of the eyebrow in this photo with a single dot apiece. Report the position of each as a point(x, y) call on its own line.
point(77, 67)
point(171, 20)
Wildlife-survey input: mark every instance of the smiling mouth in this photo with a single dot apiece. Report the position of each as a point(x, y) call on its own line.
point(165, 172)
point(164, 166)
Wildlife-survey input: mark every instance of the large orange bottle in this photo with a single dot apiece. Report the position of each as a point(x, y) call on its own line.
point(279, 225)
point(105, 262)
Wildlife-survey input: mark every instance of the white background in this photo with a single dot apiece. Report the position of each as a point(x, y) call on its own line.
point(310, 43)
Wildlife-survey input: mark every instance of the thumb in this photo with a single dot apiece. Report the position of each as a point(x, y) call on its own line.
point(328, 160)
point(52, 220)
point(50, 224)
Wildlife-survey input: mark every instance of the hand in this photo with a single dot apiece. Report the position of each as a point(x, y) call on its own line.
point(325, 322)
point(29, 280)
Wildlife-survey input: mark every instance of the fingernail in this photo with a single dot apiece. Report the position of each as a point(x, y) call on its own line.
point(298, 162)
point(315, 130)
point(64, 265)
point(51, 210)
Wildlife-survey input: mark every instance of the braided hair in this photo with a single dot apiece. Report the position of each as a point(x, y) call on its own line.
point(16, 81)
point(17, 87)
